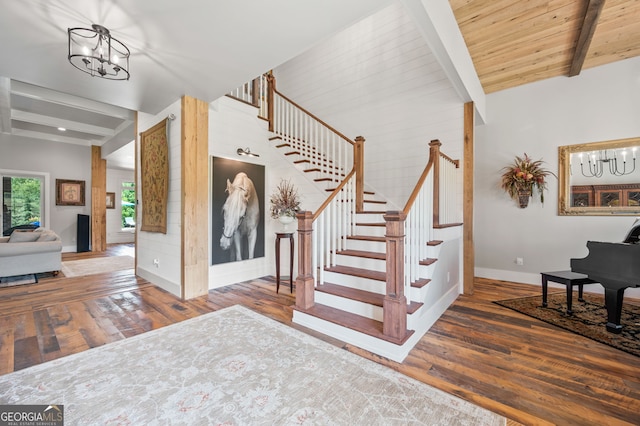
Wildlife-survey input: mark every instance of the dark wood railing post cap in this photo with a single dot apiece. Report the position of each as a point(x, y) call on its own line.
point(435, 142)
point(359, 139)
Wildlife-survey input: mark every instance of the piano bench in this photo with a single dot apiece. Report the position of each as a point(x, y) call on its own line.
point(569, 279)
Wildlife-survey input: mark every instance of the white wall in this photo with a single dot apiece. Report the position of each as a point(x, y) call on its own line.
point(115, 232)
point(600, 104)
point(379, 79)
point(166, 248)
point(61, 161)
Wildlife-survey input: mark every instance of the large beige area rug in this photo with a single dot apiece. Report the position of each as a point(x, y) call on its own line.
point(233, 367)
point(96, 265)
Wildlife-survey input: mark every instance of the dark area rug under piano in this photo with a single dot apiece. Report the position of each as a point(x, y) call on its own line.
point(589, 318)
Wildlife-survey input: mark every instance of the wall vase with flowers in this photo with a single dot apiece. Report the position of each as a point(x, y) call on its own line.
point(285, 203)
point(524, 176)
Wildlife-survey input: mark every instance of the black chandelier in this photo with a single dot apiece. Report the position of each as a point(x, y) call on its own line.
point(599, 161)
point(95, 52)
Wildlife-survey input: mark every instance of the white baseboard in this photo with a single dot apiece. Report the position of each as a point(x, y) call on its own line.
point(171, 287)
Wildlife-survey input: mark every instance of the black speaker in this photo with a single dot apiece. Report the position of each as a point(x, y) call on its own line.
point(83, 233)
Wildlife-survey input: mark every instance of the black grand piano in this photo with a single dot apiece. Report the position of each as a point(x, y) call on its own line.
point(616, 266)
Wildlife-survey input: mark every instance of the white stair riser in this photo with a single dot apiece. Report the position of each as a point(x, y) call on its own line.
point(362, 262)
point(371, 231)
point(369, 218)
point(375, 206)
point(355, 307)
point(356, 282)
point(375, 246)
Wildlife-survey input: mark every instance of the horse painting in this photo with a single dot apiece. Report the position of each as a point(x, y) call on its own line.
point(241, 212)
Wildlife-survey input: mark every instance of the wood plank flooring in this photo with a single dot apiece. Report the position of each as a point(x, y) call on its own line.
point(528, 371)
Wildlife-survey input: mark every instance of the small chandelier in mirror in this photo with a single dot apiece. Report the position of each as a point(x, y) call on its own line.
point(612, 160)
point(95, 52)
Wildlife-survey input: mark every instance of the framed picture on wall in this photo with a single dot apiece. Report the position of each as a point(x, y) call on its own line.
point(69, 192)
point(111, 200)
point(237, 223)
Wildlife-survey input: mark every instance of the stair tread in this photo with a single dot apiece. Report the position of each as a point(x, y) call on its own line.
point(375, 299)
point(434, 243)
point(375, 201)
point(358, 272)
point(363, 253)
point(364, 296)
point(428, 261)
point(355, 322)
point(371, 224)
point(420, 283)
point(366, 238)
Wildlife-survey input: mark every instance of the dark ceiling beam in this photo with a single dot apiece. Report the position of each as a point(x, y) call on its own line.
point(586, 34)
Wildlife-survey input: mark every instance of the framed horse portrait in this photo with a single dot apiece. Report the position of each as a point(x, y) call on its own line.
point(238, 202)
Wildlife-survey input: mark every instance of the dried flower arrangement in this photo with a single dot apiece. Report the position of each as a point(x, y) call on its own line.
point(284, 200)
point(519, 179)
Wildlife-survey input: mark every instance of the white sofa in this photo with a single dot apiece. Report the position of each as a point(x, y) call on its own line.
point(31, 252)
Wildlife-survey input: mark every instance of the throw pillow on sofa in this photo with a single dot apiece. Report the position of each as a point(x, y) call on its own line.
point(23, 237)
point(47, 236)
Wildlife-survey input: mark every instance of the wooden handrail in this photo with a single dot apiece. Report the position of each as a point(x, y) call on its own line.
point(434, 146)
point(314, 117)
point(334, 194)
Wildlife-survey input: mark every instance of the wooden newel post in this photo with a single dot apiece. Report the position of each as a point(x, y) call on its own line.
point(304, 281)
point(394, 306)
point(434, 155)
point(358, 162)
point(271, 87)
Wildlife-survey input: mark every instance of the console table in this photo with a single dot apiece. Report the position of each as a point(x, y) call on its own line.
point(280, 236)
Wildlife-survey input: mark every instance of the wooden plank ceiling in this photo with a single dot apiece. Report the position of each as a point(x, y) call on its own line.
point(514, 42)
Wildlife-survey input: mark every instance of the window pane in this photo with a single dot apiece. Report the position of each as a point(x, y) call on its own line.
point(128, 197)
point(21, 202)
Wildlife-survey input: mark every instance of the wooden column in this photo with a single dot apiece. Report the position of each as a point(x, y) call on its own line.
point(304, 281)
point(195, 197)
point(394, 306)
point(98, 200)
point(358, 162)
point(434, 153)
point(468, 257)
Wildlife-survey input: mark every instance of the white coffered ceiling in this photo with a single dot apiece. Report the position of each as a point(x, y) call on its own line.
point(197, 48)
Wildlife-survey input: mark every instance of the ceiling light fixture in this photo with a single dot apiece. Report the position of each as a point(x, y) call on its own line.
point(246, 152)
point(62, 129)
point(95, 52)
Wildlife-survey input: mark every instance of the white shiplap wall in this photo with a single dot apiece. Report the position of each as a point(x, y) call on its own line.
point(234, 125)
point(379, 79)
point(152, 245)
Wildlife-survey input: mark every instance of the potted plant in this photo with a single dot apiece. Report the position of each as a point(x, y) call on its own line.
point(285, 202)
point(520, 179)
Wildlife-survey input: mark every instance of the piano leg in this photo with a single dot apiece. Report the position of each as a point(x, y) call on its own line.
point(613, 300)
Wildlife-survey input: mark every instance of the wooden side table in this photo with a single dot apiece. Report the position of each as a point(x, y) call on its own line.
point(567, 278)
point(279, 236)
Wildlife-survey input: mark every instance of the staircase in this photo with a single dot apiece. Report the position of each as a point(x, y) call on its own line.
point(366, 275)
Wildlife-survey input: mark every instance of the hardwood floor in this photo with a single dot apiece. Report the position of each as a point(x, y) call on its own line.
point(524, 369)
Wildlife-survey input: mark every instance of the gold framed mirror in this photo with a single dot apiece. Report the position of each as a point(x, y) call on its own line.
point(599, 178)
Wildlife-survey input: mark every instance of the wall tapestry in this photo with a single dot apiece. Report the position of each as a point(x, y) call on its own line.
point(237, 211)
point(154, 178)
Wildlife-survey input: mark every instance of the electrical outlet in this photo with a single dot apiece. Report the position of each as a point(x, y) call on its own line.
point(519, 261)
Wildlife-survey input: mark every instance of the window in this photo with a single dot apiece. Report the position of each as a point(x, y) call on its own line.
point(128, 208)
point(23, 198)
